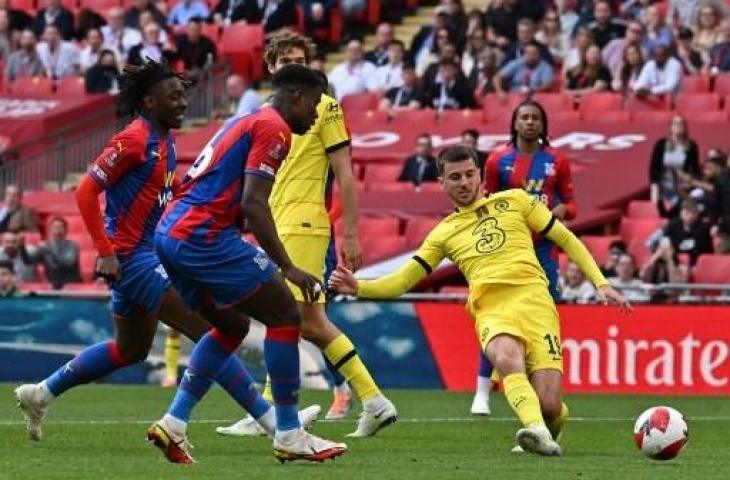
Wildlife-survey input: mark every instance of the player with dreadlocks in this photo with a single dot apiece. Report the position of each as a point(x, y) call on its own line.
point(528, 162)
point(136, 169)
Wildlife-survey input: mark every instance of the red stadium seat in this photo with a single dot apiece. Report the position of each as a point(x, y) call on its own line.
point(722, 84)
point(559, 117)
point(554, 102)
point(637, 248)
point(31, 86)
point(493, 110)
point(32, 238)
point(695, 84)
point(28, 6)
point(100, 6)
point(242, 44)
point(704, 102)
point(379, 248)
point(359, 103)
point(87, 262)
point(654, 117)
point(638, 104)
point(417, 229)
point(599, 102)
point(640, 228)
point(75, 224)
point(617, 117)
point(456, 117)
point(378, 174)
point(712, 269)
point(642, 209)
point(707, 117)
point(71, 87)
point(598, 245)
point(391, 187)
point(83, 240)
point(377, 226)
point(212, 31)
point(92, 287)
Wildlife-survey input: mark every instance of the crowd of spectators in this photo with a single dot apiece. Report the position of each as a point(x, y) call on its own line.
point(641, 48)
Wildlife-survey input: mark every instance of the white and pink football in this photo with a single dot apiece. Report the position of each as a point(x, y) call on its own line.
point(661, 433)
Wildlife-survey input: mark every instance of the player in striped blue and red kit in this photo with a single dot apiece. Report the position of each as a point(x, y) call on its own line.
point(528, 162)
point(226, 278)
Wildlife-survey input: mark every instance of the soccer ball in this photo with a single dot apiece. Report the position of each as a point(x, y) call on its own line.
point(661, 433)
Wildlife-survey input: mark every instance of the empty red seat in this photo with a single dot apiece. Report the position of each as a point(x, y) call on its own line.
point(712, 269)
point(32, 238)
point(695, 84)
point(417, 229)
point(359, 103)
point(654, 117)
point(100, 6)
point(243, 44)
point(640, 228)
point(391, 187)
point(554, 102)
point(380, 248)
point(722, 84)
point(618, 117)
point(650, 103)
point(594, 105)
point(493, 110)
point(87, 263)
point(641, 253)
point(699, 116)
point(378, 174)
point(75, 224)
point(28, 6)
point(71, 87)
point(642, 209)
point(378, 226)
point(704, 102)
point(31, 86)
point(598, 246)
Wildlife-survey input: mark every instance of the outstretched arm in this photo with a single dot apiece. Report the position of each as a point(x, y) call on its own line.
point(392, 285)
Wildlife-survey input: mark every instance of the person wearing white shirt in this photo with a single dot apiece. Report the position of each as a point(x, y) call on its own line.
point(390, 75)
point(659, 76)
point(119, 37)
point(575, 287)
point(94, 45)
point(354, 75)
point(243, 99)
point(626, 282)
point(59, 57)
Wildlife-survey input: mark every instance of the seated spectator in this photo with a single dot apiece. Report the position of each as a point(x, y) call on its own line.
point(482, 80)
point(553, 37)
point(527, 74)
point(708, 28)
point(502, 17)
point(591, 75)
point(23, 258)
point(457, 21)
point(663, 267)
point(405, 97)
point(470, 138)
point(151, 47)
point(354, 75)
point(449, 90)
point(316, 14)
point(89, 55)
point(390, 75)
point(195, 49)
point(5, 38)
point(14, 216)
point(634, 9)
point(227, 12)
point(656, 32)
point(703, 189)
point(605, 26)
point(626, 282)
point(242, 99)
point(85, 20)
point(475, 21)
point(525, 36)
point(447, 52)
point(60, 58)
point(25, 61)
point(575, 287)
point(60, 256)
point(719, 57)
point(682, 13)
point(427, 38)
point(615, 51)
point(476, 44)
point(185, 10)
point(383, 38)
point(8, 287)
point(687, 233)
point(118, 36)
point(146, 18)
point(673, 153)
point(57, 15)
point(131, 16)
point(19, 20)
point(631, 65)
point(442, 40)
point(103, 77)
point(273, 14)
point(615, 250)
point(720, 212)
point(661, 75)
point(691, 59)
point(583, 40)
point(421, 166)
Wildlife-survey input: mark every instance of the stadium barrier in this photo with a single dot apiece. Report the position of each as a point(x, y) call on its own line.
point(661, 350)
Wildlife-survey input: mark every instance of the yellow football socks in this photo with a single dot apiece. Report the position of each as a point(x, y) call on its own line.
point(523, 399)
point(556, 426)
point(341, 353)
point(172, 356)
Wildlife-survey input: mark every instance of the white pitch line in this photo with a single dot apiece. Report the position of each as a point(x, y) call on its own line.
point(400, 420)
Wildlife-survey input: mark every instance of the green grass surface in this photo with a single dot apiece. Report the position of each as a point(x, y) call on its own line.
point(97, 432)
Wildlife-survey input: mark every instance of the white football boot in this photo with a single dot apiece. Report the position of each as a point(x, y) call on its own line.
point(249, 427)
point(480, 405)
point(302, 445)
point(370, 423)
point(537, 439)
point(33, 399)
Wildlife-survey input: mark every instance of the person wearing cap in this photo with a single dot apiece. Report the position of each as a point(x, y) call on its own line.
point(688, 56)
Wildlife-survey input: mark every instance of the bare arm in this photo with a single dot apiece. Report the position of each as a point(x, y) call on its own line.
point(342, 167)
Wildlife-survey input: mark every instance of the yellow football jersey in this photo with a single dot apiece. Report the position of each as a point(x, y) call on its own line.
point(298, 197)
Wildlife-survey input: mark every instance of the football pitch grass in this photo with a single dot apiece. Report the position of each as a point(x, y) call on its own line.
point(97, 432)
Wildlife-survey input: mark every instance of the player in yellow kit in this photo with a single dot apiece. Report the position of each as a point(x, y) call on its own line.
point(299, 205)
point(490, 240)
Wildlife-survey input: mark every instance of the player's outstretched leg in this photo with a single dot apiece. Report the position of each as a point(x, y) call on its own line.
point(480, 404)
point(507, 355)
point(132, 343)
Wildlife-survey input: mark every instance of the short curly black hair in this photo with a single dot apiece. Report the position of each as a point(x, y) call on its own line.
point(137, 80)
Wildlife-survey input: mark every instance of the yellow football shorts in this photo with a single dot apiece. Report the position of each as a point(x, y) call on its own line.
point(526, 312)
point(307, 252)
